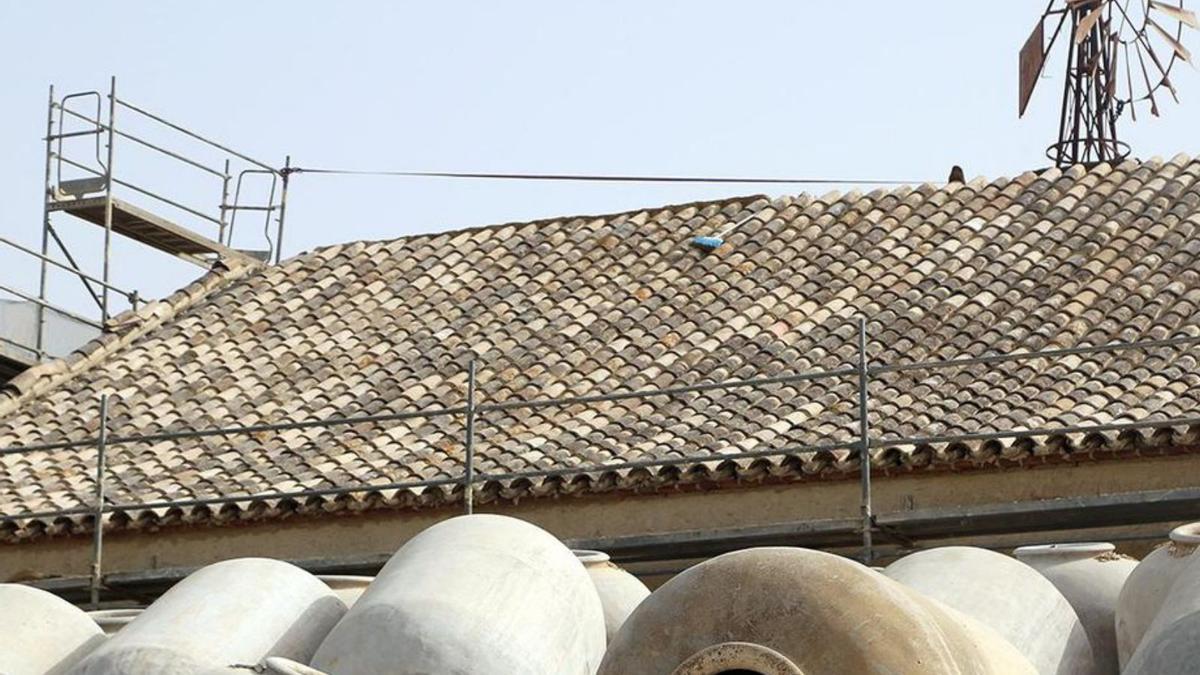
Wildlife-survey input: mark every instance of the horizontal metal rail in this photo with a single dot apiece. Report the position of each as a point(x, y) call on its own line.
point(483, 408)
point(1028, 433)
point(72, 134)
point(194, 135)
point(131, 186)
point(667, 391)
point(77, 272)
point(614, 396)
point(101, 127)
point(57, 310)
point(165, 200)
point(671, 462)
point(991, 359)
point(169, 153)
point(39, 353)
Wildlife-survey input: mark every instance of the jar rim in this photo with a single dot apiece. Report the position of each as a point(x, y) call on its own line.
point(1186, 534)
point(1074, 548)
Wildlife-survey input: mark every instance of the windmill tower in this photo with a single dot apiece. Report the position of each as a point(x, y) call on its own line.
point(1120, 57)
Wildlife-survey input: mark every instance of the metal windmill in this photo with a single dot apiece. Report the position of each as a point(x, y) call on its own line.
point(1120, 57)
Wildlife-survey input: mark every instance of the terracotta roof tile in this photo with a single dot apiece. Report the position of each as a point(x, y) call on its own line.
point(589, 305)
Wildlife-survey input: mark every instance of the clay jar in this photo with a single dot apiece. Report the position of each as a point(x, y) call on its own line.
point(472, 595)
point(790, 611)
point(1147, 587)
point(1171, 645)
point(221, 619)
point(42, 634)
point(1006, 595)
point(620, 592)
point(1090, 577)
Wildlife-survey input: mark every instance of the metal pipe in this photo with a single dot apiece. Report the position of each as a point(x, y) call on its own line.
point(165, 200)
point(73, 134)
point(142, 190)
point(1028, 433)
point(64, 110)
point(98, 528)
point(194, 135)
point(864, 445)
point(39, 340)
point(38, 354)
point(73, 270)
point(1043, 354)
point(168, 153)
point(666, 391)
point(41, 303)
point(108, 197)
point(287, 174)
point(75, 265)
point(469, 476)
point(674, 461)
point(224, 205)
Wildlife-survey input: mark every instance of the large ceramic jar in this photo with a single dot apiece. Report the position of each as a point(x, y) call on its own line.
point(1147, 587)
point(42, 634)
point(791, 611)
point(347, 587)
point(620, 592)
point(472, 595)
point(223, 618)
point(1090, 577)
point(1006, 595)
point(1171, 645)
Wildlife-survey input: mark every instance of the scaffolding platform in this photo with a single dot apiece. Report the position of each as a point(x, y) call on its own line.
point(148, 228)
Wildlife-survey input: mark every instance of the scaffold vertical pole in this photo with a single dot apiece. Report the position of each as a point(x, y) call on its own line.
point(224, 207)
point(864, 444)
point(98, 527)
point(108, 195)
point(40, 339)
point(287, 174)
point(469, 478)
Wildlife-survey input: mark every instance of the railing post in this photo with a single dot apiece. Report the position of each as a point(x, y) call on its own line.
point(40, 340)
point(98, 528)
point(224, 206)
point(287, 174)
point(864, 445)
point(108, 196)
point(469, 478)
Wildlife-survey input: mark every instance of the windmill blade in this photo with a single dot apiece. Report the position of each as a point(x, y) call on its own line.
point(1089, 21)
point(1175, 44)
point(1029, 67)
point(1180, 14)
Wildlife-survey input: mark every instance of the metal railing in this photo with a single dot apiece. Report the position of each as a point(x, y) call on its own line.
point(472, 410)
point(225, 214)
point(93, 115)
point(38, 347)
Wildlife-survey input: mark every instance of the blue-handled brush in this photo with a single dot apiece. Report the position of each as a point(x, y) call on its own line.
point(713, 242)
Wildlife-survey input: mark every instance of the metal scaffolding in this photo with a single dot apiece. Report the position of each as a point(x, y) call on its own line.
point(87, 187)
point(474, 410)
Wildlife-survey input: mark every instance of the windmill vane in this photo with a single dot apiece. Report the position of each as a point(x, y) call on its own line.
point(1119, 60)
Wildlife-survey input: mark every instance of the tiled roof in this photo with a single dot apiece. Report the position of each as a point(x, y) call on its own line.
point(610, 303)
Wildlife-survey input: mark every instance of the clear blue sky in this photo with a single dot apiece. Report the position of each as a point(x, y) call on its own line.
point(895, 90)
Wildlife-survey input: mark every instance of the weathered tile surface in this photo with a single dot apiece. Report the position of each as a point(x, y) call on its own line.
point(591, 305)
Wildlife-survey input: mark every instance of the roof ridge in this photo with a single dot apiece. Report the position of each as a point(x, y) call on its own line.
point(119, 331)
point(537, 221)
